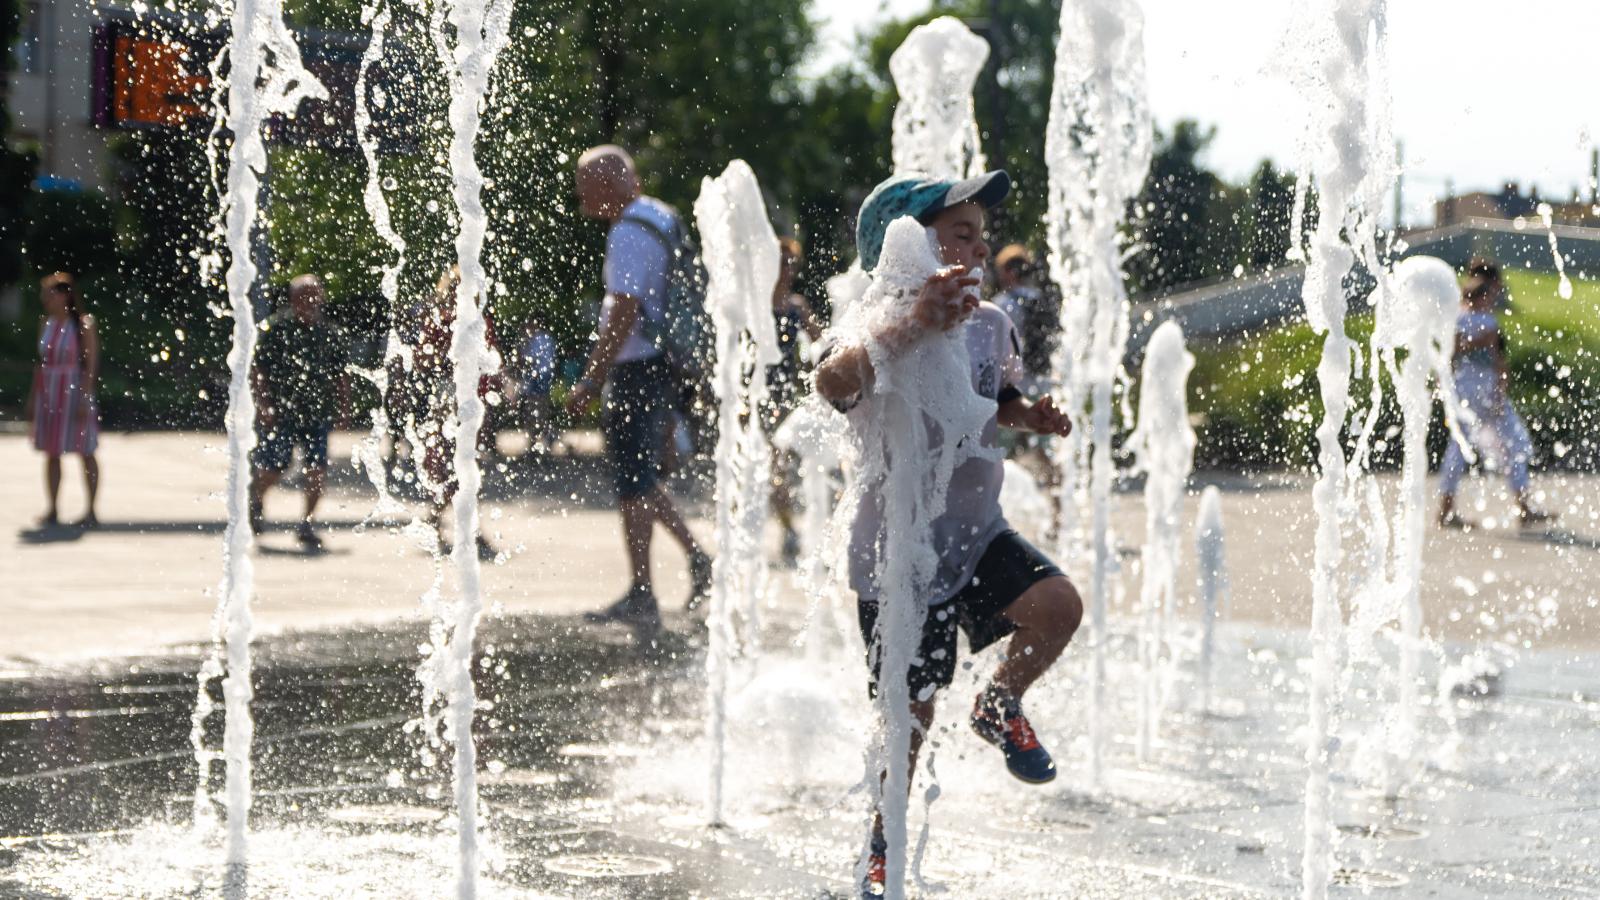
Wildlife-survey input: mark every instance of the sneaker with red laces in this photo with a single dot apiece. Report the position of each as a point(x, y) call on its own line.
point(997, 718)
point(877, 870)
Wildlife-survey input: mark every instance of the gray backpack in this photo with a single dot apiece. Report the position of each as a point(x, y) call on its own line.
point(683, 332)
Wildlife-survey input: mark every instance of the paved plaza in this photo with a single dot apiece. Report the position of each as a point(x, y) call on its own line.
point(595, 761)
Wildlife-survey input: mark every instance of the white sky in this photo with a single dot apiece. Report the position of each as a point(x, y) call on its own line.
point(1526, 68)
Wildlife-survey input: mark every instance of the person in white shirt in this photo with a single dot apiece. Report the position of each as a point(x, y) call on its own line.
point(633, 372)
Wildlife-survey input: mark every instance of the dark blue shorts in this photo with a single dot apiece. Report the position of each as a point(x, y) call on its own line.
point(1009, 566)
point(632, 422)
point(275, 448)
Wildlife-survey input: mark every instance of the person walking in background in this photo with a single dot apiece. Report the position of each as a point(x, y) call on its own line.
point(1034, 312)
point(537, 360)
point(632, 367)
point(786, 384)
point(61, 405)
point(1489, 420)
point(300, 352)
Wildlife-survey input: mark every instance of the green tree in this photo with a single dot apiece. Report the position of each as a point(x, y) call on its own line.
point(16, 166)
point(1183, 220)
point(1267, 238)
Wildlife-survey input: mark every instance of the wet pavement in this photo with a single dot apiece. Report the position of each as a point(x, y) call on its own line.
point(595, 768)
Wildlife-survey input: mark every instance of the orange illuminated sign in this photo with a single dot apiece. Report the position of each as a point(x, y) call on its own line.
point(154, 82)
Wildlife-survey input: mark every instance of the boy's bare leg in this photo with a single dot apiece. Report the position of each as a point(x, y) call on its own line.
point(1047, 615)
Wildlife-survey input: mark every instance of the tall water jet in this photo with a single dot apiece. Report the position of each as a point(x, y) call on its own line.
point(369, 454)
point(807, 433)
point(1339, 45)
point(1211, 559)
point(1164, 443)
point(742, 259)
point(1098, 146)
point(925, 418)
point(1419, 322)
point(480, 29)
point(935, 124)
point(265, 79)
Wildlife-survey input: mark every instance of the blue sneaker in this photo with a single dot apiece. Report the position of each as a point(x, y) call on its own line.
point(877, 870)
point(997, 718)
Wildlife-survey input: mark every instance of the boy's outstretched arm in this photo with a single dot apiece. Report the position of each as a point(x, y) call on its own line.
point(944, 302)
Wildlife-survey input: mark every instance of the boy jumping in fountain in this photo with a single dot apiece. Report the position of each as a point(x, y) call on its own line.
point(990, 582)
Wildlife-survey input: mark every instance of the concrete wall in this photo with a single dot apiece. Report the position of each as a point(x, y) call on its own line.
point(52, 104)
point(1236, 308)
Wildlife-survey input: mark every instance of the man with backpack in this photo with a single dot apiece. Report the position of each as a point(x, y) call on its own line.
point(646, 331)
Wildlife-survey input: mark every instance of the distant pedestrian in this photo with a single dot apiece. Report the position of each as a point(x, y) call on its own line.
point(61, 404)
point(435, 373)
point(1482, 382)
point(537, 360)
point(632, 366)
point(302, 387)
point(1034, 311)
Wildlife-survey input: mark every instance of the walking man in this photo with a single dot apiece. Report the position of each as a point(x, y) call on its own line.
point(628, 361)
point(299, 353)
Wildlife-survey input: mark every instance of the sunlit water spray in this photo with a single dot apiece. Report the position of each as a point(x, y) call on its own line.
point(265, 79)
point(1211, 561)
point(1098, 147)
point(741, 257)
point(935, 132)
point(469, 35)
point(1164, 443)
point(1564, 284)
point(369, 453)
point(1413, 341)
point(924, 420)
point(1339, 46)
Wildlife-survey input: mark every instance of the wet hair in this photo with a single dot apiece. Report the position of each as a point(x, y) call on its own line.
point(792, 252)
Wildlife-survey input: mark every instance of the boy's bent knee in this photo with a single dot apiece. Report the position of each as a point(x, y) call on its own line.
point(1051, 606)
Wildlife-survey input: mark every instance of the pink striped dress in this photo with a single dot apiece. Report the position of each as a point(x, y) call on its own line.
point(65, 419)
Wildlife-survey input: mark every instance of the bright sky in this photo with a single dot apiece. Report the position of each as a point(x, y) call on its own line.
point(1526, 67)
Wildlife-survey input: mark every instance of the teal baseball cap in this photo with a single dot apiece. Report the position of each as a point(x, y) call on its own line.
point(922, 197)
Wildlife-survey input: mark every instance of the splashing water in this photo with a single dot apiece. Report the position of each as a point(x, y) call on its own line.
point(369, 453)
point(481, 30)
point(808, 434)
point(1098, 147)
point(935, 125)
point(1027, 506)
point(1340, 45)
point(1164, 443)
point(742, 258)
point(1419, 320)
point(265, 79)
point(1209, 547)
point(924, 420)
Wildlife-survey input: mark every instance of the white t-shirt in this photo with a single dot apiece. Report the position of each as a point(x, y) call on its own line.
point(972, 516)
point(639, 264)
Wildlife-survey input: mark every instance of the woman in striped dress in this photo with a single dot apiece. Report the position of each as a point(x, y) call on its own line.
point(61, 405)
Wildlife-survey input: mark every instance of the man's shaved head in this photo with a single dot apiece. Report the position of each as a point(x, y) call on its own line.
point(306, 294)
point(607, 181)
